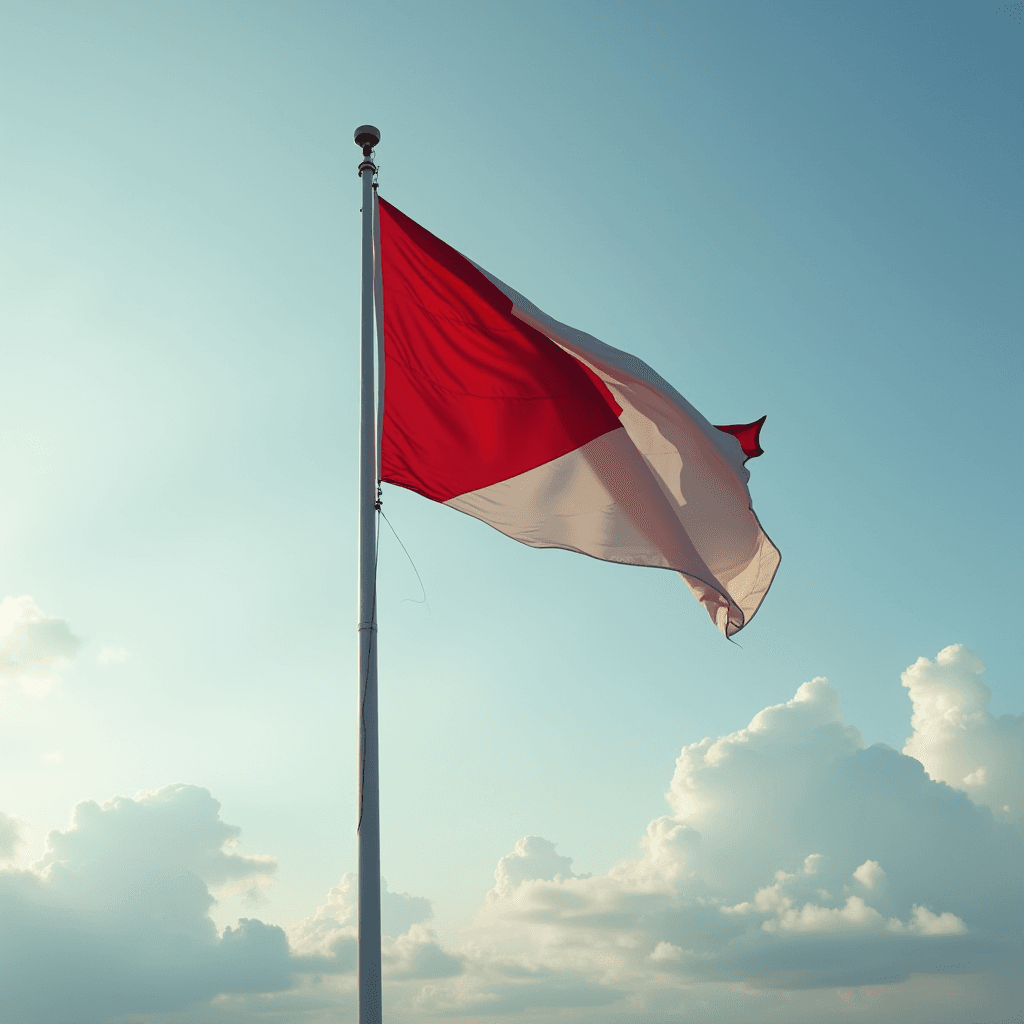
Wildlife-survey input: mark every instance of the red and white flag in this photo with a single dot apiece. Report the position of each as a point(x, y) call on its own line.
point(554, 438)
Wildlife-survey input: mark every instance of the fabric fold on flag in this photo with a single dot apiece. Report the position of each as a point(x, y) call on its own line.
point(553, 437)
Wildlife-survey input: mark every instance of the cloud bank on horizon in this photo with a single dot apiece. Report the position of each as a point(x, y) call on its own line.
point(800, 873)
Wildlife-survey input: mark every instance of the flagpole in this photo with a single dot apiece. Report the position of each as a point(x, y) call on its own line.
point(368, 829)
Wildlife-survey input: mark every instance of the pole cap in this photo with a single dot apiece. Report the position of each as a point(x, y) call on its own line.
point(367, 135)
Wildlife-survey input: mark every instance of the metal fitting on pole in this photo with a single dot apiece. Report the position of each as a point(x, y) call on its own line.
point(367, 137)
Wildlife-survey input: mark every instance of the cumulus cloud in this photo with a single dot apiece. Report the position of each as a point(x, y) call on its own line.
point(34, 648)
point(325, 942)
point(796, 859)
point(533, 858)
point(328, 935)
point(958, 740)
point(799, 875)
point(171, 830)
point(120, 900)
point(399, 911)
point(870, 873)
point(777, 902)
point(417, 954)
point(668, 951)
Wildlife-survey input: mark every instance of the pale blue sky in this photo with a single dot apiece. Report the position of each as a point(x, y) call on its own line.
point(808, 210)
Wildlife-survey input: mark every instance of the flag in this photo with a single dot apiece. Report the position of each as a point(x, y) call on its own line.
point(553, 437)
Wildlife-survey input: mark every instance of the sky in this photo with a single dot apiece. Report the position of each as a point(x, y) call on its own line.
point(594, 807)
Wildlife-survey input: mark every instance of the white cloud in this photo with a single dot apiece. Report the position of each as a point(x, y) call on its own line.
point(329, 934)
point(869, 874)
point(666, 951)
point(418, 955)
point(33, 648)
point(856, 914)
point(120, 901)
point(174, 829)
point(330, 931)
point(399, 911)
point(924, 922)
point(735, 886)
point(812, 863)
point(727, 914)
point(324, 944)
point(533, 858)
point(778, 903)
point(958, 740)
point(112, 655)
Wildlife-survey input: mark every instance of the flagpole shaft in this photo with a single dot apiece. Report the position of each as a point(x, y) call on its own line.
point(370, 1008)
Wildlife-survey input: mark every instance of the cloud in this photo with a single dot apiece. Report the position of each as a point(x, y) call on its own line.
point(171, 830)
point(869, 874)
point(796, 859)
point(667, 951)
point(399, 911)
point(33, 647)
point(533, 858)
point(799, 875)
point(325, 942)
point(112, 655)
point(10, 835)
point(120, 900)
point(958, 740)
point(417, 954)
point(854, 915)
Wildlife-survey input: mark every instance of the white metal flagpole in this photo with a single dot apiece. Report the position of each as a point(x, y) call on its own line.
point(370, 1009)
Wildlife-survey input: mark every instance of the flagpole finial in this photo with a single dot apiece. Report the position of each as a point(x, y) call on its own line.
point(367, 137)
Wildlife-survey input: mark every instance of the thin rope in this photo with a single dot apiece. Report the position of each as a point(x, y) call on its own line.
point(419, 579)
